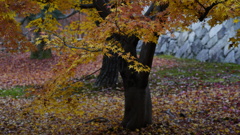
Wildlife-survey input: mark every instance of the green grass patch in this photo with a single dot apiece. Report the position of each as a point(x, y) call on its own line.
point(15, 92)
point(204, 71)
point(166, 56)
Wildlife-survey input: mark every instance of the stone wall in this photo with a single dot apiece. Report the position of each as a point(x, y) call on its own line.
point(202, 42)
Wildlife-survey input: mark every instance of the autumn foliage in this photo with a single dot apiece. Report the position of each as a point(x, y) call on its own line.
point(64, 105)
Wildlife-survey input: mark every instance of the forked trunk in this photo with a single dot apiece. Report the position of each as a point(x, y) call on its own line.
point(138, 104)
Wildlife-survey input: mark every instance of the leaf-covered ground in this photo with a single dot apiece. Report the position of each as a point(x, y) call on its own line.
point(189, 97)
point(20, 70)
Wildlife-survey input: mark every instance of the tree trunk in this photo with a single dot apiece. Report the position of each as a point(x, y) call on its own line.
point(108, 76)
point(138, 104)
point(40, 52)
point(138, 107)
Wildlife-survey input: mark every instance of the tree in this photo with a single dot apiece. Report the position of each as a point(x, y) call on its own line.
point(40, 52)
point(137, 95)
point(109, 71)
point(119, 32)
point(14, 14)
point(10, 27)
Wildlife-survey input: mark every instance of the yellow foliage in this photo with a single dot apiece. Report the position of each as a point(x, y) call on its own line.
point(126, 19)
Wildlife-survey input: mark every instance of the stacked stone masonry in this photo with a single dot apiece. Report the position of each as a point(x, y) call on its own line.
point(202, 42)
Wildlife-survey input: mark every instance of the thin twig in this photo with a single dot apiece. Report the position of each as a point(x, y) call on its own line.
point(200, 4)
point(74, 47)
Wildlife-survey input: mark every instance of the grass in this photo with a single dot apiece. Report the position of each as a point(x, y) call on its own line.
point(14, 92)
point(192, 74)
point(205, 71)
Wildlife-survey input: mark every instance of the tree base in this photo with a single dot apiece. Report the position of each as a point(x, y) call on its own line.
point(44, 54)
point(138, 108)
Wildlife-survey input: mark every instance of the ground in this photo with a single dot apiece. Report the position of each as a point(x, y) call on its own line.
point(189, 97)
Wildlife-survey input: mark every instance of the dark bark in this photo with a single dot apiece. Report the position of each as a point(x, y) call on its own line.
point(138, 104)
point(102, 7)
point(108, 76)
point(40, 52)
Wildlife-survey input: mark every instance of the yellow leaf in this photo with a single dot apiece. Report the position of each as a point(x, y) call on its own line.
point(236, 20)
point(180, 102)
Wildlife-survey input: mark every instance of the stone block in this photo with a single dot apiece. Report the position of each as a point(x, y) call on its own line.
point(176, 35)
point(207, 26)
point(237, 26)
point(172, 45)
point(231, 32)
point(228, 23)
point(212, 42)
point(191, 56)
point(237, 55)
point(163, 49)
point(205, 39)
point(230, 58)
point(196, 46)
point(163, 39)
point(175, 50)
point(182, 38)
point(191, 37)
point(203, 55)
point(219, 46)
point(237, 48)
point(157, 50)
point(182, 50)
point(218, 57)
point(159, 39)
point(214, 30)
point(195, 26)
point(227, 50)
point(221, 33)
point(238, 61)
point(201, 32)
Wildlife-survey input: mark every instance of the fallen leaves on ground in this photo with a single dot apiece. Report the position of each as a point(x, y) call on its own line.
point(208, 108)
point(20, 70)
point(202, 111)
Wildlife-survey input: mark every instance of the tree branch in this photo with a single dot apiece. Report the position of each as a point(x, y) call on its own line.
point(67, 16)
point(86, 6)
point(74, 47)
point(150, 9)
point(200, 4)
point(102, 7)
point(207, 9)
